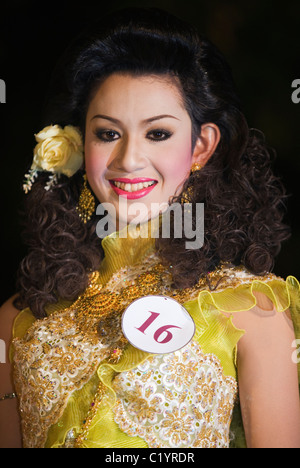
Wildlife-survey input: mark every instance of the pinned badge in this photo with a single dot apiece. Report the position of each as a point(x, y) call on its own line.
point(157, 324)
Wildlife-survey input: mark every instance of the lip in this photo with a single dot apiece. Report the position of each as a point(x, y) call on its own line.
point(133, 181)
point(132, 195)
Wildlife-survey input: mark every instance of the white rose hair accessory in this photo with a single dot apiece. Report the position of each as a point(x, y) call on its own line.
point(58, 150)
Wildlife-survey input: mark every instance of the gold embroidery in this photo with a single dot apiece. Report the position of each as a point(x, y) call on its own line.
point(98, 400)
point(177, 426)
point(53, 360)
point(60, 353)
point(184, 400)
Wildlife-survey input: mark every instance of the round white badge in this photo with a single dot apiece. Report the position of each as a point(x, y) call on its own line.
point(157, 324)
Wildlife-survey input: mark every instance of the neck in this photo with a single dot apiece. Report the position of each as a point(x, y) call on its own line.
point(127, 247)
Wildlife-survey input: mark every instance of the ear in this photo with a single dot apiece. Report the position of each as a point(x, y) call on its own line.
point(206, 143)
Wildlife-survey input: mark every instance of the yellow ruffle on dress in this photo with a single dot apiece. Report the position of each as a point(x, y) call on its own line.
point(79, 390)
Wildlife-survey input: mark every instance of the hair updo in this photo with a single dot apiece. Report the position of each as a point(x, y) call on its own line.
point(243, 200)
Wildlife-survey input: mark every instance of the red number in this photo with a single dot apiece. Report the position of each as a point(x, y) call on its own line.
point(148, 322)
point(160, 330)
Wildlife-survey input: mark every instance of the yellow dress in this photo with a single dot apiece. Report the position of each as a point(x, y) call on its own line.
point(80, 384)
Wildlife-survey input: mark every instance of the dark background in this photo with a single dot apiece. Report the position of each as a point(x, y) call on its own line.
point(259, 38)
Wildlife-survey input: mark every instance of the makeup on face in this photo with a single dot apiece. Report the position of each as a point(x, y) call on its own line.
point(132, 189)
point(138, 140)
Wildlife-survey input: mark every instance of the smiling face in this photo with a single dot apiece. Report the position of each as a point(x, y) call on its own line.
point(138, 144)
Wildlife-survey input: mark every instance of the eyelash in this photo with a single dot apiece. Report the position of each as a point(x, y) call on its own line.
point(101, 135)
point(166, 134)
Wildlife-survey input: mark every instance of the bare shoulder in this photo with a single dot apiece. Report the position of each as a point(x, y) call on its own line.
point(267, 374)
point(8, 307)
point(8, 313)
point(263, 324)
point(10, 435)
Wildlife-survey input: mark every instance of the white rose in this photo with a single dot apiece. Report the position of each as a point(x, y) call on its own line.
point(58, 150)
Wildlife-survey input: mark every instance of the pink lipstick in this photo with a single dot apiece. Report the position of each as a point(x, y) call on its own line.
point(132, 189)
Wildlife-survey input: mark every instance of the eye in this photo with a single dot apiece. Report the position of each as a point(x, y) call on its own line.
point(159, 135)
point(107, 135)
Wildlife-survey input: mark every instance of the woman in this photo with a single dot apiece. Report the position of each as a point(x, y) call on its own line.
point(161, 124)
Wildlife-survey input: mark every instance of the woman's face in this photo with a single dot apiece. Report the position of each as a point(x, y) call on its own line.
point(138, 145)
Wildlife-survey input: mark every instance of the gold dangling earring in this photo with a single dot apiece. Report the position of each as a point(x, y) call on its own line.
point(86, 203)
point(186, 197)
point(196, 167)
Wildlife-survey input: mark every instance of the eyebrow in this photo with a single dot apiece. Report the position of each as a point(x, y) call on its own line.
point(151, 119)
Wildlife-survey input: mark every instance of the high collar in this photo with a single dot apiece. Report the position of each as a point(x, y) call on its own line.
point(127, 247)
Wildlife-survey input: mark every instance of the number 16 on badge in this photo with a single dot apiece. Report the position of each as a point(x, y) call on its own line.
point(157, 324)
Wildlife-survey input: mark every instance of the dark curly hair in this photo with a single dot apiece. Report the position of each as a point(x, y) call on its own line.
point(243, 199)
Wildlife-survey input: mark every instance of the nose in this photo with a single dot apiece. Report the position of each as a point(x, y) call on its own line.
point(128, 157)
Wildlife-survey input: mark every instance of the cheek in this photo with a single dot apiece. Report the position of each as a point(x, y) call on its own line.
point(176, 166)
point(94, 163)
